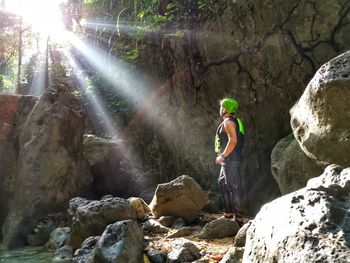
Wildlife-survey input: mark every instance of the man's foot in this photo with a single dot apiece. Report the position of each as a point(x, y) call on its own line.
point(228, 215)
point(239, 220)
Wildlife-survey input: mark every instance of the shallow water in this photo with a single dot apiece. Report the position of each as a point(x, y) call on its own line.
point(25, 254)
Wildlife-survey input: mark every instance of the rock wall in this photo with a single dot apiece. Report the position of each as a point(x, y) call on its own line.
point(246, 49)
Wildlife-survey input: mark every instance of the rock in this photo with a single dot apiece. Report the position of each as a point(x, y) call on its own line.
point(8, 110)
point(182, 232)
point(182, 197)
point(120, 242)
point(106, 158)
point(41, 232)
point(320, 119)
point(334, 181)
point(183, 251)
point(310, 226)
point(166, 220)
point(219, 228)
point(154, 227)
point(140, 207)
point(157, 256)
point(58, 238)
point(51, 168)
point(13, 111)
point(241, 235)
point(178, 223)
point(291, 167)
point(90, 217)
point(233, 255)
point(214, 202)
point(85, 254)
point(63, 255)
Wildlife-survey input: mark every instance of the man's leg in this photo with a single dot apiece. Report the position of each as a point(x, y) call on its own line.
point(233, 184)
point(225, 191)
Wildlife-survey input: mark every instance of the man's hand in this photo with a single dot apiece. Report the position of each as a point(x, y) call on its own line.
point(220, 159)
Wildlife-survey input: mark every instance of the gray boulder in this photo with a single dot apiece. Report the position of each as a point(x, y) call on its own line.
point(58, 238)
point(154, 227)
point(183, 250)
point(219, 228)
point(320, 119)
point(90, 217)
point(309, 225)
point(85, 254)
point(182, 197)
point(63, 255)
point(120, 242)
point(51, 168)
point(291, 167)
point(233, 255)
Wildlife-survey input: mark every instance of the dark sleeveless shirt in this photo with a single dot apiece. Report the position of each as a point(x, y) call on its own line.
point(236, 154)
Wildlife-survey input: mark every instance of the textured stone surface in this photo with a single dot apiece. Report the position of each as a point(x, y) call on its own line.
point(120, 242)
point(140, 207)
point(51, 168)
point(90, 217)
point(58, 238)
point(219, 228)
point(320, 119)
point(183, 250)
point(182, 197)
point(309, 225)
point(291, 167)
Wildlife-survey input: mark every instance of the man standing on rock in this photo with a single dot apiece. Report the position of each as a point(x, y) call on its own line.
point(228, 145)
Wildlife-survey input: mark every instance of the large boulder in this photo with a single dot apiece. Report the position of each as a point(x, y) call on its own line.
point(182, 197)
point(90, 217)
point(120, 242)
point(291, 167)
point(51, 167)
point(13, 111)
point(108, 162)
point(309, 225)
point(320, 119)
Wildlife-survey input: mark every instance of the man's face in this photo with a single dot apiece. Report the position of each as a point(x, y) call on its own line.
point(222, 111)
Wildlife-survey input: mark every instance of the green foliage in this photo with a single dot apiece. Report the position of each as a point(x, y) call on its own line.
point(7, 84)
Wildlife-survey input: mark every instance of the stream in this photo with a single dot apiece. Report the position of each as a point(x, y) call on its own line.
point(25, 254)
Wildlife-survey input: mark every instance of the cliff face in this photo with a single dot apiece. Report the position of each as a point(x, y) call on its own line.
point(262, 52)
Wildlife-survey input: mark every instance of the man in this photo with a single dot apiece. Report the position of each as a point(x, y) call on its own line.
point(229, 141)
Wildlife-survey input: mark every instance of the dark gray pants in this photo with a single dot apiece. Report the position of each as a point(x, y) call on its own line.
point(229, 185)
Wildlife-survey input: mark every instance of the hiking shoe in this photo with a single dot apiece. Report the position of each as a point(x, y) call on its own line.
point(228, 215)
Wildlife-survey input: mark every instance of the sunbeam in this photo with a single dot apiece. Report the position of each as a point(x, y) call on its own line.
point(38, 83)
point(101, 116)
point(122, 77)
